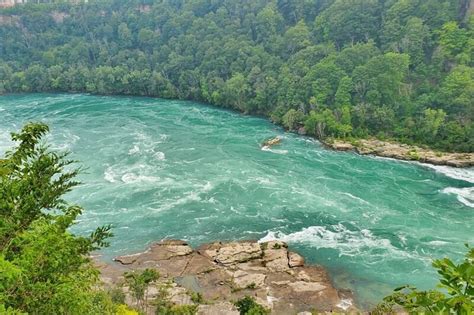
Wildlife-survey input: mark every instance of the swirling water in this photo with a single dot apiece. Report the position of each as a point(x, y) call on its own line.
point(170, 169)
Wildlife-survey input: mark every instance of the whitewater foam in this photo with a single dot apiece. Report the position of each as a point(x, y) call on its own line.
point(268, 149)
point(131, 178)
point(464, 195)
point(160, 156)
point(134, 150)
point(347, 242)
point(464, 174)
point(109, 175)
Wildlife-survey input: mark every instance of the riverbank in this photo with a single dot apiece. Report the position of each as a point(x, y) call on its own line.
point(222, 273)
point(402, 151)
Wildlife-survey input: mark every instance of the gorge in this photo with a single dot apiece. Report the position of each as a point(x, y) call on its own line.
point(160, 169)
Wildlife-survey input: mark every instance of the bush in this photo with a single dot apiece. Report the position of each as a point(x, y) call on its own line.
point(248, 306)
point(455, 280)
point(44, 269)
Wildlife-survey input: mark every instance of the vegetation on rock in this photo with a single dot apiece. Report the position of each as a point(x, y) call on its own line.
point(248, 306)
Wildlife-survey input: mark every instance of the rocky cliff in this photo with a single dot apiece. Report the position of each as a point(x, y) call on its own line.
point(225, 272)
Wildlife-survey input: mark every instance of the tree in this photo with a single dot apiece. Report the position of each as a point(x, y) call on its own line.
point(321, 124)
point(457, 92)
point(379, 57)
point(457, 297)
point(348, 22)
point(292, 119)
point(268, 23)
point(297, 37)
point(44, 268)
point(453, 40)
point(236, 90)
point(124, 34)
point(432, 120)
point(138, 284)
point(380, 81)
point(343, 93)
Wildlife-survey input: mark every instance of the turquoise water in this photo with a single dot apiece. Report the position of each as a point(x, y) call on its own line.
point(171, 169)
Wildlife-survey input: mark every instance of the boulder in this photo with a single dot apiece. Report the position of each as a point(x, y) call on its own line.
point(221, 308)
point(243, 279)
point(237, 252)
point(301, 131)
point(275, 255)
point(276, 259)
point(303, 286)
point(295, 260)
point(271, 142)
point(342, 146)
point(163, 250)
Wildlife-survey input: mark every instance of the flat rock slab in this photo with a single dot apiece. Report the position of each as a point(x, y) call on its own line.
point(402, 151)
point(157, 251)
point(224, 272)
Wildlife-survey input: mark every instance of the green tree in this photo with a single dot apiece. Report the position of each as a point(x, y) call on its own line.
point(44, 268)
point(292, 119)
point(457, 92)
point(457, 297)
point(432, 120)
point(138, 283)
point(343, 94)
point(297, 37)
point(453, 40)
point(321, 124)
point(236, 91)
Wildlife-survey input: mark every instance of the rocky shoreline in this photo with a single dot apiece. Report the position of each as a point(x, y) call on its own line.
point(401, 151)
point(222, 273)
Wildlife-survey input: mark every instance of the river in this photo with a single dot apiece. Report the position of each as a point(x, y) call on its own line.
point(173, 169)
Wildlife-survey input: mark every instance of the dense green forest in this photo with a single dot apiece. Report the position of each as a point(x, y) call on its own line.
point(394, 69)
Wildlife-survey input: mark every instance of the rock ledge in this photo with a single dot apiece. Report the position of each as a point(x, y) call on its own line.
point(401, 151)
point(225, 272)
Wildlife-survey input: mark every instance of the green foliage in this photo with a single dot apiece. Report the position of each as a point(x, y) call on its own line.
point(178, 310)
point(138, 283)
point(248, 306)
point(384, 62)
point(455, 297)
point(197, 297)
point(44, 269)
point(292, 119)
point(165, 307)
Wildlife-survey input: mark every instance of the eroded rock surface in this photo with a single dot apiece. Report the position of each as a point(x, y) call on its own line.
point(225, 272)
point(401, 151)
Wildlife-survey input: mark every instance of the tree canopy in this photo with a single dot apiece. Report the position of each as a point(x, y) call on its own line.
point(44, 268)
point(388, 65)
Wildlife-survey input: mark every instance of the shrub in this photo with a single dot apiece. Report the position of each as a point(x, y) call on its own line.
point(457, 297)
point(248, 306)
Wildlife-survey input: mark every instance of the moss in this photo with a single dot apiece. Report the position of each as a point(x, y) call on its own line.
point(414, 155)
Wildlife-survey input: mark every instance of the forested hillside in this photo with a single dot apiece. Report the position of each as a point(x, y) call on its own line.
point(398, 69)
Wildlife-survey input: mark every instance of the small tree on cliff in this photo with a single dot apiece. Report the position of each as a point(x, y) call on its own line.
point(44, 268)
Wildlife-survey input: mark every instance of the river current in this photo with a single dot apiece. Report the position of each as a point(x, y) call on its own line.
point(159, 169)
